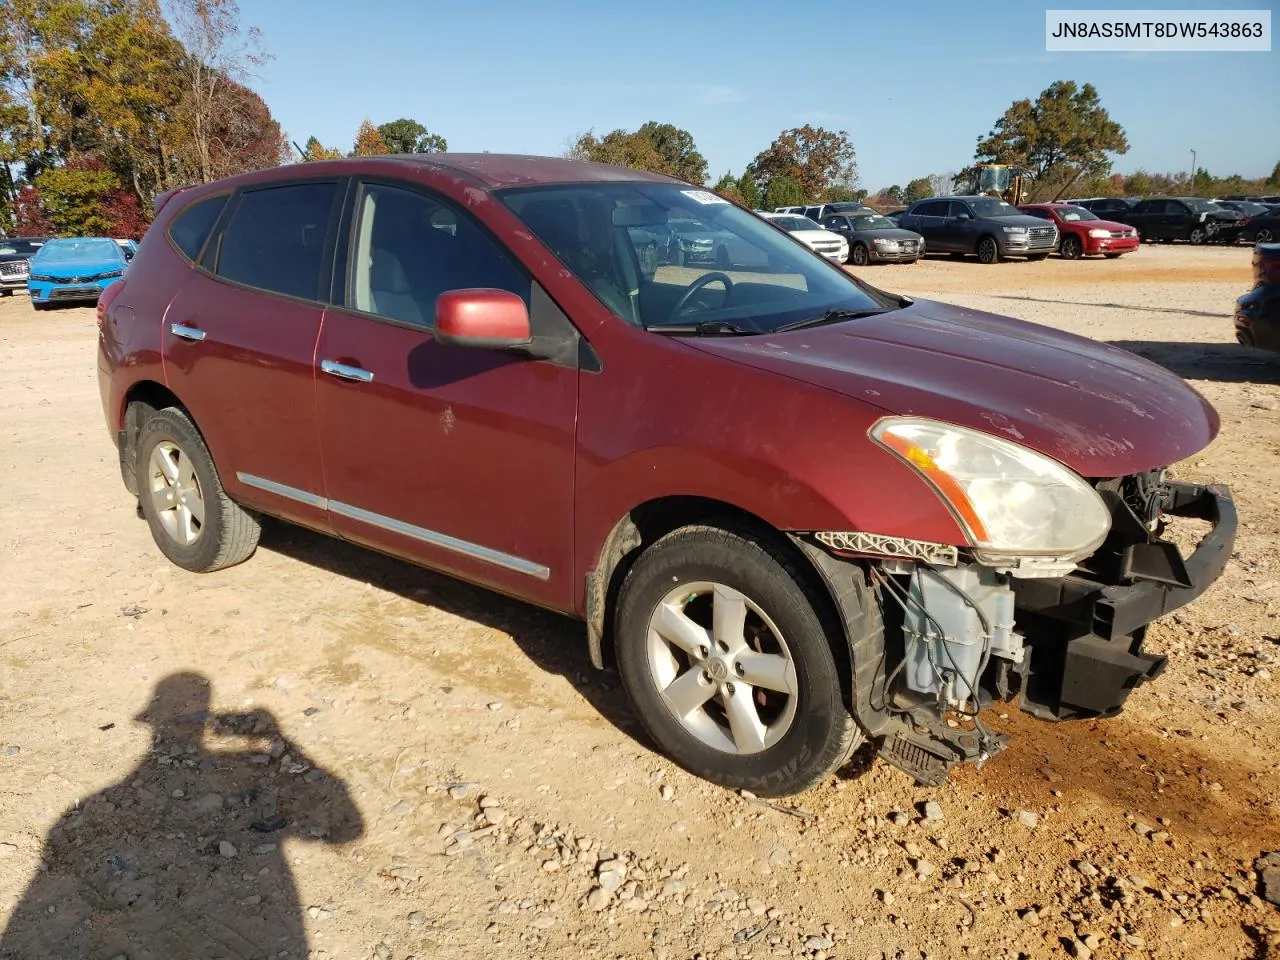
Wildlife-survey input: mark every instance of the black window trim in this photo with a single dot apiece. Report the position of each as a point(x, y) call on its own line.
point(225, 195)
point(212, 252)
point(585, 356)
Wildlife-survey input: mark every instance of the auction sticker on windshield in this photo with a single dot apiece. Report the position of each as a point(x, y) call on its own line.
point(703, 196)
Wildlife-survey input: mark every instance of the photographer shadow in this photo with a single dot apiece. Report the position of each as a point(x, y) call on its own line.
point(183, 856)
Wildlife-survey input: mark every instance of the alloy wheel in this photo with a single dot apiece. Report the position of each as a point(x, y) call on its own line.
point(722, 668)
point(175, 493)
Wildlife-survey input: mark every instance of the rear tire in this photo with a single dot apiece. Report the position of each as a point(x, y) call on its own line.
point(192, 520)
point(988, 250)
point(1263, 236)
point(776, 726)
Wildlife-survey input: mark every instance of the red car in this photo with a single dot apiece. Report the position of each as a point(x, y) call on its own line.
point(1083, 233)
point(796, 511)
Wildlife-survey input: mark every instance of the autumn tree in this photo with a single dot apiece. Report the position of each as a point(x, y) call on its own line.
point(315, 150)
point(409, 136)
point(369, 142)
point(727, 187)
point(813, 157)
point(1061, 136)
point(783, 191)
point(844, 193)
point(219, 52)
point(655, 147)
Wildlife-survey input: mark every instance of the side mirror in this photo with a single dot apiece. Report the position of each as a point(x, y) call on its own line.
point(482, 317)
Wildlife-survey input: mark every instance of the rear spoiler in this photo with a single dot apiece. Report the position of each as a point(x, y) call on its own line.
point(161, 199)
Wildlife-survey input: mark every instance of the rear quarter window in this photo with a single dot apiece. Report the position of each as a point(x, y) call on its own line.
point(275, 240)
point(190, 228)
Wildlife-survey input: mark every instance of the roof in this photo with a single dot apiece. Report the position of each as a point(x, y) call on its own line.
point(497, 170)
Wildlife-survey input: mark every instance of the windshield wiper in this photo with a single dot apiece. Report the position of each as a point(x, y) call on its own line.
point(831, 316)
point(704, 328)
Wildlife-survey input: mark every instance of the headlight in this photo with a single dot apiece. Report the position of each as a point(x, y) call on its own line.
point(886, 244)
point(1102, 234)
point(1014, 229)
point(1011, 501)
point(41, 277)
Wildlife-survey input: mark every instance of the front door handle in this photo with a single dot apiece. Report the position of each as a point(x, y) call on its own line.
point(186, 333)
point(345, 372)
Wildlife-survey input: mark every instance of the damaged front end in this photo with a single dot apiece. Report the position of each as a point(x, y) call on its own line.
point(938, 633)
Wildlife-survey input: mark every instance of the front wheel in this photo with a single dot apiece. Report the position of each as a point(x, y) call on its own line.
point(988, 250)
point(192, 520)
point(858, 255)
point(1197, 236)
point(1070, 249)
point(725, 658)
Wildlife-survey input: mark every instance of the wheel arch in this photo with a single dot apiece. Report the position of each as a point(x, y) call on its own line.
point(141, 401)
point(648, 522)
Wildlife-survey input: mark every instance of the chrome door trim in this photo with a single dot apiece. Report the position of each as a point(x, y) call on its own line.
point(283, 490)
point(442, 540)
point(358, 374)
point(436, 539)
point(187, 333)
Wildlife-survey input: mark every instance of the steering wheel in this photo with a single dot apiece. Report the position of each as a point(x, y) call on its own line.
point(697, 285)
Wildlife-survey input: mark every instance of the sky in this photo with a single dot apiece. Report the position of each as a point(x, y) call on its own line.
point(914, 84)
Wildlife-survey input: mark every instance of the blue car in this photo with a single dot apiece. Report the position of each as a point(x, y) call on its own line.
point(72, 269)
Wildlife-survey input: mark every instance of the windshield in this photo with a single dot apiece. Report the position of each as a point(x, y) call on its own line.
point(795, 223)
point(872, 221)
point(994, 178)
point(993, 207)
point(1071, 214)
point(845, 206)
point(617, 240)
point(1201, 206)
point(22, 247)
point(1248, 208)
point(62, 251)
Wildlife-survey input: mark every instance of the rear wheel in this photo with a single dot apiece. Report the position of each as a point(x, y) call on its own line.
point(1263, 236)
point(192, 520)
point(725, 657)
point(1071, 248)
point(858, 255)
point(988, 250)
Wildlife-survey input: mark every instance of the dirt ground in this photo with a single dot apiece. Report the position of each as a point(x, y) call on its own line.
point(398, 765)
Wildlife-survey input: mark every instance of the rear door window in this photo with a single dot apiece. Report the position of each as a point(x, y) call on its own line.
point(277, 237)
point(191, 228)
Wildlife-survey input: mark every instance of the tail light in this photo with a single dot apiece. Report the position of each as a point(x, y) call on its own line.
point(104, 301)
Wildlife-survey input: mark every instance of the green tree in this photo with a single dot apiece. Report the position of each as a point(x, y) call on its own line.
point(1064, 134)
point(895, 194)
point(315, 150)
point(74, 196)
point(1201, 183)
point(1274, 179)
point(409, 136)
point(749, 191)
point(783, 191)
point(917, 189)
point(655, 147)
point(1138, 184)
point(814, 157)
point(676, 147)
point(841, 193)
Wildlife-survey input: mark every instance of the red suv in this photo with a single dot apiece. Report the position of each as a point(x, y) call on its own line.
point(1083, 233)
point(796, 511)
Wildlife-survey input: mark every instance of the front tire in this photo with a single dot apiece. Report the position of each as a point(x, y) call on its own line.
point(723, 652)
point(1197, 236)
point(192, 520)
point(858, 255)
point(1071, 248)
point(988, 250)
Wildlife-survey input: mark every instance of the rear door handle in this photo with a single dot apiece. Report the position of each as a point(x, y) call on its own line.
point(345, 372)
point(186, 333)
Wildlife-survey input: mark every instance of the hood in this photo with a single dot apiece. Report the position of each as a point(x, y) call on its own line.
point(1226, 214)
point(89, 267)
point(1021, 220)
point(1100, 410)
point(810, 236)
point(888, 233)
point(1102, 225)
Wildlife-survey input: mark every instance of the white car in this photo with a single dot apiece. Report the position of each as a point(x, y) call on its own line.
point(813, 235)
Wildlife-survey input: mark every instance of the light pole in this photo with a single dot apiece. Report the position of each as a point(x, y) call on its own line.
point(1193, 173)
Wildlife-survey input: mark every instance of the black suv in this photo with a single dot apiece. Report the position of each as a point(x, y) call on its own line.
point(986, 226)
point(1182, 218)
point(1106, 208)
